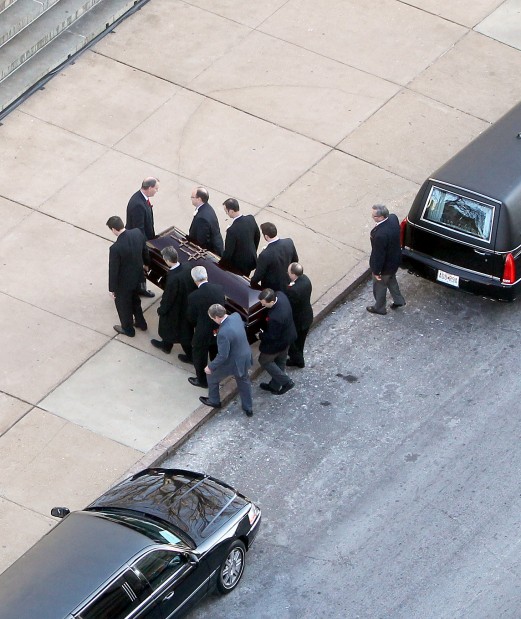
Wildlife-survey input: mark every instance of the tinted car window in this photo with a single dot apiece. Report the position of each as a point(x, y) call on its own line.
point(160, 565)
point(459, 213)
point(149, 528)
point(117, 600)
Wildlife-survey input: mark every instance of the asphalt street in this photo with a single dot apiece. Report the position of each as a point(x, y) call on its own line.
point(389, 476)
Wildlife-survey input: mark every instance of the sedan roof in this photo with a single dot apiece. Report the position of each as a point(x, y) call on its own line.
point(66, 566)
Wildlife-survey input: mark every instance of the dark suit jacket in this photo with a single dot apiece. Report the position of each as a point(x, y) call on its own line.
point(126, 258)
point(140, 215)
point(280, 330)
point(199, 302)
point(386, 252)
point(299, 296)
point(273, 263)
point(240, 248)
point(204, 230)
point(173, 322)
point(233, 349)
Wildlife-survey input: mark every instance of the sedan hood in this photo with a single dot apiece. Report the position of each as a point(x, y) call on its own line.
point(194, 503)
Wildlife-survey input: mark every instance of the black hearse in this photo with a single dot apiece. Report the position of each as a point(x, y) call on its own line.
point(464, 227)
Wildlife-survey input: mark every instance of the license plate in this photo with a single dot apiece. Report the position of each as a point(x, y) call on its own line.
point(448, 278)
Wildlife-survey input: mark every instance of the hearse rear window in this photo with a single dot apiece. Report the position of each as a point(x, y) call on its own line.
point(456, 212)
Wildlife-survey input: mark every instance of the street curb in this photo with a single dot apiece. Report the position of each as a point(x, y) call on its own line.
point(321, 308)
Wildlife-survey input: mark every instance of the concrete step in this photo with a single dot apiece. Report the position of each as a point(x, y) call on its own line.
point(68, 42)
point(20, 14)
point(5, 3)
point(42, 31)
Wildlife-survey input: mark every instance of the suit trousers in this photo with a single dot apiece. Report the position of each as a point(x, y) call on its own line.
point(128, 306)
point(275, 365)
point(380, 291)
point(296, 348)
point(243, 385)
point(200, 353)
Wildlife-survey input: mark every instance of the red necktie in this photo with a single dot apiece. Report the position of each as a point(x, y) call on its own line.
point(149, 203)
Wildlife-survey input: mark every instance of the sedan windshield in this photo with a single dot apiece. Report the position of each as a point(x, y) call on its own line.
point(154, 530)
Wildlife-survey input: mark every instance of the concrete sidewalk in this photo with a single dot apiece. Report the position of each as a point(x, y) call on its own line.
point(306, 112)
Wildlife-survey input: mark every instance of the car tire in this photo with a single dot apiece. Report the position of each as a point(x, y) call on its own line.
point(232, 567)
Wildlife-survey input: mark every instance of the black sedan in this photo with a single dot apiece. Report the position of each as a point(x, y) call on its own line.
point(148, 548)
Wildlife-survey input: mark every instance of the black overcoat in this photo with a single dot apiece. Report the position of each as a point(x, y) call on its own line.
point(140, 215)
point(240, 248)
point(199, 302)
point(174, 326)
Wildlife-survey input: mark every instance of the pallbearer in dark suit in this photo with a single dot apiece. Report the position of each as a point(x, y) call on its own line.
point(203, 342)
point(233, 359)
point(274, 260)
point(141, 216)
point(275, 340)
point(126, 259)
point(242, 240)
point(173, 322)
point(204, 229)
point(385, 259)
point(299, 296)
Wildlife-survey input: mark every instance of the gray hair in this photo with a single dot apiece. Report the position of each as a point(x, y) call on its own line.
point(199, 274)
point(296, 269)
point(148, 182)
point(268, 295)
point(169, 253)
point(216, 311)
point(381, 210)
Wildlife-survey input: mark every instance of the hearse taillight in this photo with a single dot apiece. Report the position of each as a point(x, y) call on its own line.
point(403, 227)
point(509, 271)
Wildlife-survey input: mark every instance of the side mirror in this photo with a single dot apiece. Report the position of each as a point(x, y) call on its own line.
point(192, 558)
point(60, 512)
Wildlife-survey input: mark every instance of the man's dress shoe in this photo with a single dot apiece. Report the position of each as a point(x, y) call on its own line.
point(285, 388)
point(193, 380)
point(206, 402)
point(147, 293)
point(372, 310)
point(119, 329)
point(143, 326)
point(161, 345)
point(295, 364)
point(249, 412)
point(268, 387)
point(184, 358)
point(397, 305)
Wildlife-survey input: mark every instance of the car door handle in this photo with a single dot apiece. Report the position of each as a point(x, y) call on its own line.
point(481, 253)
point(169, 596)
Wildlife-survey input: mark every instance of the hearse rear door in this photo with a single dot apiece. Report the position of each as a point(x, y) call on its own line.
point(459, 228)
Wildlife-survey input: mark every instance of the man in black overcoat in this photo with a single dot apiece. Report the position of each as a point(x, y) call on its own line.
point(204, 342)
point(141, 216)
point(299, 296)
point(385, 259)
point(242, 240)
point(127, 255)
point(275, 340)
point(204, 229)
point(173, 325)
point(274, 260)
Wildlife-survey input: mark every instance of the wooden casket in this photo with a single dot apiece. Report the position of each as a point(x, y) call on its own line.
point(240, 297)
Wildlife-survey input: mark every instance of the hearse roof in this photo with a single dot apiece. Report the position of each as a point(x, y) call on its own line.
point(491, 164)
